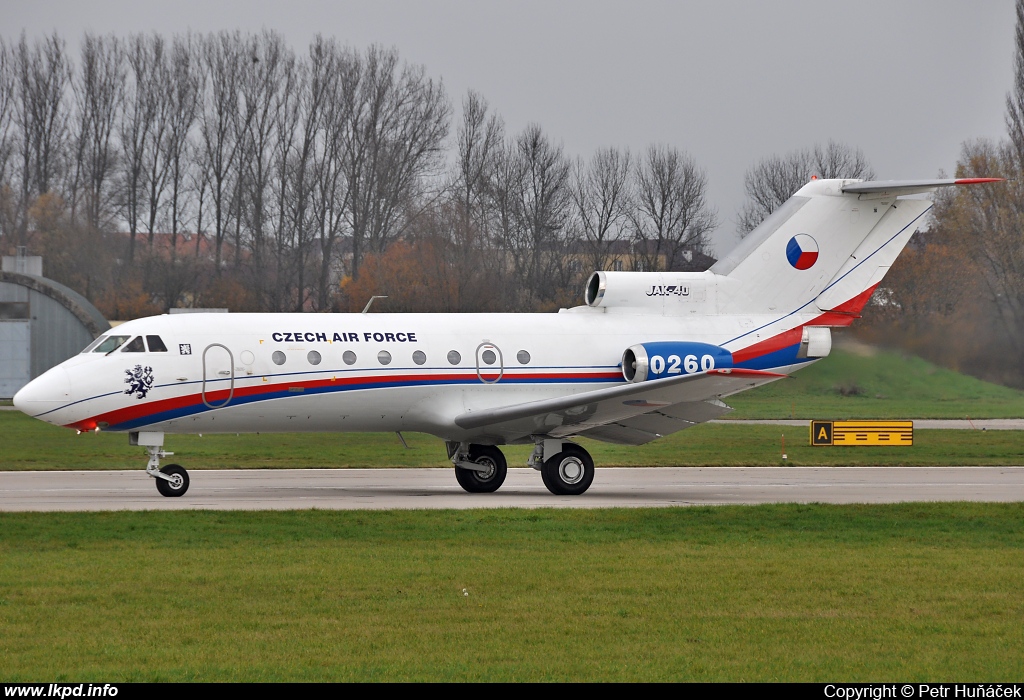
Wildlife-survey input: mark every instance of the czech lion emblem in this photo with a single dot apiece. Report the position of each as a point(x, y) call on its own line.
point(139, 381)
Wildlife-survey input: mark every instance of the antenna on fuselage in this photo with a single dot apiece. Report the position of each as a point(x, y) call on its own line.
point(369, 303)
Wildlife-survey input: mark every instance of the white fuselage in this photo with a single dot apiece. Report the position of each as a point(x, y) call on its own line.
point(243, 389)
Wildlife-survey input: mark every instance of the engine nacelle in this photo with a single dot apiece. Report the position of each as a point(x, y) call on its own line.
point(647, 361)
point(671, 293)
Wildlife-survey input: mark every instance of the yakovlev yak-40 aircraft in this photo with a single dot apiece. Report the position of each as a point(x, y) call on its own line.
point(649, 354)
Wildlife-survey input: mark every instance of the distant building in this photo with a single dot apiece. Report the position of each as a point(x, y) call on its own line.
point(42, 323)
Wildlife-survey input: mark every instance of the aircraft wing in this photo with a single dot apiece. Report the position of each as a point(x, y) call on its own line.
point(630, 414)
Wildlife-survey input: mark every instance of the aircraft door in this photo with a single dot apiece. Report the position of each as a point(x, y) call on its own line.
point(490, 365)
point(218, 366)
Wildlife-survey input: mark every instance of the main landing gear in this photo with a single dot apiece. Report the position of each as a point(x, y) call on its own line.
point(566, 468)
point(172, 480)
point(478, 468)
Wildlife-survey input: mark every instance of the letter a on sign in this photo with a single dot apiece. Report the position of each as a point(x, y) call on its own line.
point(821, 432)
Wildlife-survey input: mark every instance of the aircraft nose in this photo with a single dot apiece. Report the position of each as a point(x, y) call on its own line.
point(46, 392)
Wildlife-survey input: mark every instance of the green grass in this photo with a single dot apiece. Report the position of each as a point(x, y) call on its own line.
point(795, 593)
point(27, 444)
point(891, 385)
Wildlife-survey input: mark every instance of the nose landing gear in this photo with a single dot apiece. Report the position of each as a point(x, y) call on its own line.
point(172, 480)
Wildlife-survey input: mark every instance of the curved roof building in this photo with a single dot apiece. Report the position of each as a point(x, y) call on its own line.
point(42, 323)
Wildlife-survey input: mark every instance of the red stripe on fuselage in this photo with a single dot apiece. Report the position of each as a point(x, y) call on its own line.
point(220, 396)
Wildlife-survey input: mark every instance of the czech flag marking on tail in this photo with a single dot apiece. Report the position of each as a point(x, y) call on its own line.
point(802, 251)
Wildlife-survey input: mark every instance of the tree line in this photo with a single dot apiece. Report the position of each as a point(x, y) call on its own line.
point(956, 296)
point(229, 170)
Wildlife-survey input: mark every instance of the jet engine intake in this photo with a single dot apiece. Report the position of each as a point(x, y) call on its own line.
point(647, 361)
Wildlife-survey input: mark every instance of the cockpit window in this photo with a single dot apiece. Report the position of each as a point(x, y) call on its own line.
point(90, 346)
point(111, 343)
point(135, 346)
point(155, 344)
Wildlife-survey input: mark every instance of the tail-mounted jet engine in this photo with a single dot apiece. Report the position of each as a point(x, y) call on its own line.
point(647, 361)
point(669, 293)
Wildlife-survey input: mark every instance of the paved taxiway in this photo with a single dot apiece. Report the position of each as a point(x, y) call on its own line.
point(346, 489)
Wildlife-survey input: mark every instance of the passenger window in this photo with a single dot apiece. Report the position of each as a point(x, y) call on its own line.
point(419, 357)
point(278, 357)
point(523, 357)
point(135, 346)
point(384, 357)
point(349, 357)
point(454, 357)
point(155, 344)
point(313, 357)
point(112, 343)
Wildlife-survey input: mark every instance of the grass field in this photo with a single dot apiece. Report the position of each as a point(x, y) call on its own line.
point(800, 593)
point(877, 384)
point(27, 444)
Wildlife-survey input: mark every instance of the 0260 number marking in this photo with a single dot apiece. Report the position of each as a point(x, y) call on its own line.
point(689, 364)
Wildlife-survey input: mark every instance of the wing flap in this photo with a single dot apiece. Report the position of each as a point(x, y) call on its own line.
point(577, 413)
point(646, 427)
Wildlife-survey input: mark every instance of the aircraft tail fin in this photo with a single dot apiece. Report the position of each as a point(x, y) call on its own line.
point(826, 248)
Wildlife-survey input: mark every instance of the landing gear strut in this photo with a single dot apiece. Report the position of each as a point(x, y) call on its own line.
point(172, 480)
point(478, 468)
point(568, 469)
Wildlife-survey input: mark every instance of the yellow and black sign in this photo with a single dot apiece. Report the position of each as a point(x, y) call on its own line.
point(862, 432)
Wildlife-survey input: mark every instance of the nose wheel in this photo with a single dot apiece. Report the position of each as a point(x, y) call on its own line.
point(176, 482)
point(172, 480)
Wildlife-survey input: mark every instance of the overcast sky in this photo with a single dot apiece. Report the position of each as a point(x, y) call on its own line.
point(907, 81)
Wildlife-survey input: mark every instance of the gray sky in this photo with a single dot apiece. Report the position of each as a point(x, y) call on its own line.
point(907, 81)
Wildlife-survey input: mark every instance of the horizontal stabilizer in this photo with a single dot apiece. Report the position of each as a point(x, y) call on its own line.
point(896, 188)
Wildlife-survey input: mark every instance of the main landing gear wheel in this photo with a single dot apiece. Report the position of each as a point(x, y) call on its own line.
point(178, 484)
point(570, 472)
point(489, 479)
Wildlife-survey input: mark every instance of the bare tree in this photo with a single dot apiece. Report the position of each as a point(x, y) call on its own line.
point(460, 226)
point(398, 124)
point(42, 76)
point(184, 85)
point(7, 138)
point(155, 167)
point(266, 88)
point(773, 180)
point(218, 125)
point(331, 82)
point(672, 214)
point(479, 140)
point(532, 199)
point(135, 131)
point(99, 91)
point(603, 199)
point(1015, 98)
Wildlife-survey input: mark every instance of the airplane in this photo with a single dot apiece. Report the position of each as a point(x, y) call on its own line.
point(647, 355)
